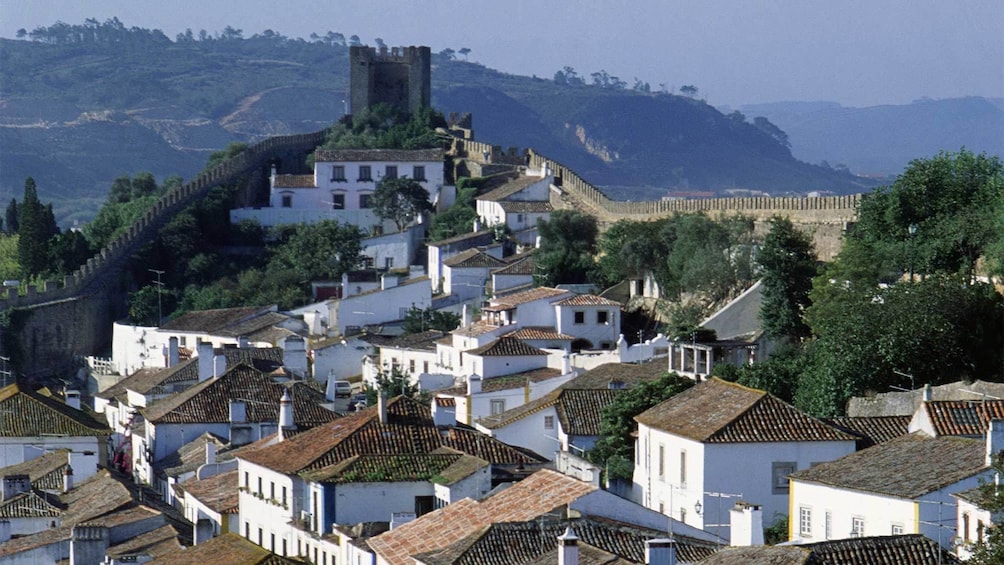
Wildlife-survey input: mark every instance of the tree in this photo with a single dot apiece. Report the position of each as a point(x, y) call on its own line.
point(319, 251)
point(12, 216)
point(354, 41)
point(567, 247)
point(418, 320)
point(789, 265)
point(447, 54)
point(765, 125)
point(688, 90)
point(68, 251)
point(990, 496)
point(35, 231)
point(392, 383)
point(459, 218)
point(465, 51)
point(400, 200)
point(615, 448)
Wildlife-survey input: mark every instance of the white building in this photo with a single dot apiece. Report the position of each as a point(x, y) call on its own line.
point(689, 448)
point(518, 204)
point(973, 521)
point(411, 354)
point(342, 184)
point(902, 486)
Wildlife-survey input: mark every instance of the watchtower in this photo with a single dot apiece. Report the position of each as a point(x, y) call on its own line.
point(399, 77)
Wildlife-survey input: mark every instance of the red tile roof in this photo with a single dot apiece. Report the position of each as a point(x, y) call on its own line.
point(717, 411)
point(588, 300)
point(294, 181)
point(962, 417)
point(28, 414)
point(537, 332)
point(506, 346)
point(219, 493)
point(227, 549)
point(539, 293)
point(510, 188)
point(473, 258)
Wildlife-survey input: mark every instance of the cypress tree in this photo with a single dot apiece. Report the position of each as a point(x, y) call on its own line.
point(35, 231)
point(12, 217)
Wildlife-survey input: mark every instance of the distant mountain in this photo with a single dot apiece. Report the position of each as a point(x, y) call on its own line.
point(83, 105)
point(882, 140)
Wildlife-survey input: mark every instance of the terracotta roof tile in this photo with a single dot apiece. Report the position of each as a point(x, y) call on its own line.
point(45, 472)
point(476, 328)
point(908, 466)
point(717, 411)
point(539, 293)
point(525, 206)
point(219, 493)
point(510, 188)
point(389, 155)
point(507, 382)
point(473, 258)
point(209, 401)
point(294, 181)
point(908, 549)
point(539, 333)
point(208, 321)
point(409, 430)
point(30, 504)
point(963, 417)
point(482, 237)
point(422, 341)
point(519, 543)
point(873, 429)
point(443, 468)
point(29, 414)
point(227, 549)
point(523, 265)
point(506, 346)
point(155, 543)
point(588, 300)
point(538, 494)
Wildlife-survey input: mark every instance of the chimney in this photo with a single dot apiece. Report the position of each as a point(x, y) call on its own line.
point(473, 384)
point(73, 399)
point(294, 356)
point(746, 524)
point(568, 548)
point(238, 412)
point(388, 281)
point(660, 552)
point(210, 452)
point(285, 415)
point(927, 395)
point(88, 545)
point(205, 354)
point(14, 485)
point(219, 365)
point(243, 342)
point(566, 364)
point(382, 406)
point(465, 316)
point(345, 285)
point(5, 531)
point(995, 439)
point(172, 351)
point(477, 224)
point(68, 479)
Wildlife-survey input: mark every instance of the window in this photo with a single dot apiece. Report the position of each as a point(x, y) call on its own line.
point(261, 538)
point(805, 521)
point(272, 543)
point(287, 200)
point(390, 172)
point(271, 491)
point(183, 341)
point(828, 525)
point(337, 201)
point(548, 422)
point(260, 492)
point(388, 262)
point(897, 529)
point(364, 200)
point(338, 173)
point(683, 514)
point(979, 531)
point(579, 317)
point(683, 469)
point(857, 527)
point(779, 475)
point(284, 546)
point(364, 173)
point(425, 367)
point(497, 407)
point(662, 462)
point(283, 496)
point(247, 480)
point(418, 172)
point(965, 527)
point(247, 530)
point(602, 317)
point(411, 365)
point(424, 504)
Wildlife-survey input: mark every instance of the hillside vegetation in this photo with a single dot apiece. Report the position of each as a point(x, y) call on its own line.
point(84, 104)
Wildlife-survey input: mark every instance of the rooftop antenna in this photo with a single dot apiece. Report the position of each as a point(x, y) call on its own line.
point(160, 289)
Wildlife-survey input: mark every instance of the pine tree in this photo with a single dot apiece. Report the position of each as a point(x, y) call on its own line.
point(35, 231)
point(12, 217)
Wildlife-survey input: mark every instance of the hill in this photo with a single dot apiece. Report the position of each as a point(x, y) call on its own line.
point(80, 108)
point(882, 140)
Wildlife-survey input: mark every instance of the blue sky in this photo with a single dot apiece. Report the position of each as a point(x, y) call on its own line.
point(858, 53)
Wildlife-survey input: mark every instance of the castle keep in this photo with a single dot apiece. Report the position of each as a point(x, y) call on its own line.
point(400, 77)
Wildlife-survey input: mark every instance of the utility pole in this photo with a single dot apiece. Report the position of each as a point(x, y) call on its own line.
point(160, 289)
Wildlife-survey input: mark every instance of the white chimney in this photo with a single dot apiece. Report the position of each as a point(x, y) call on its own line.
point(219, 365)
point(210, 452)
point(205, 354)
point(566, 364)
point(746, 522)
point(926, 396)
point(294, 356)
point(660, 552)
point(68, 479)
point(995, 439)
point(473, 384)
point(568, 548)
point(5, 531)
point(382, 405)
point(285, 414)
point(172, 351)
point(465, 316)
point(73, 399)
point(477, 224)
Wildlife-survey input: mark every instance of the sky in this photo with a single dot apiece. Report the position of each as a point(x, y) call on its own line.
point(856, 52)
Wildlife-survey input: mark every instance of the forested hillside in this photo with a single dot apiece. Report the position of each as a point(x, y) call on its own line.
point(84, 104)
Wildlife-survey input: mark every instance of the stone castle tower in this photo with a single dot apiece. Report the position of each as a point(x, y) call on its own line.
point(399, 77)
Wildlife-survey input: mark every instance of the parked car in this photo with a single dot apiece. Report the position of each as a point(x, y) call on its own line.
point(343, 388)
point(359, 401)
